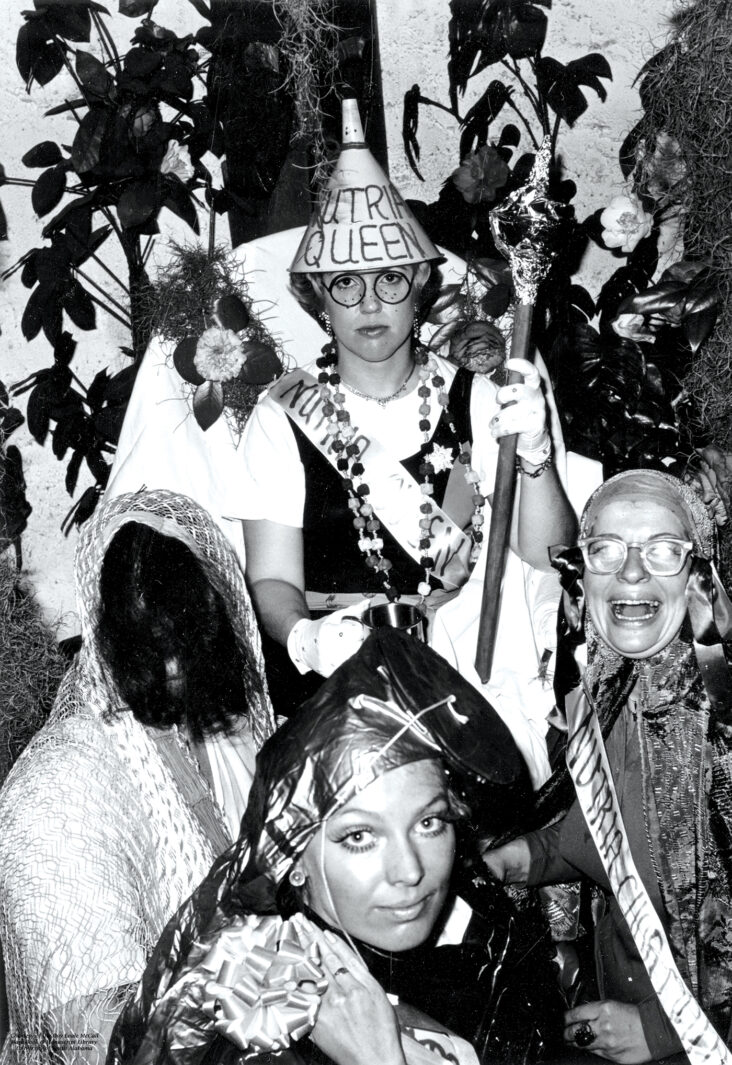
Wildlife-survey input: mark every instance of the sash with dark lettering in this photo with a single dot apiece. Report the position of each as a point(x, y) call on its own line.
point(394, 494)
point(590, 770)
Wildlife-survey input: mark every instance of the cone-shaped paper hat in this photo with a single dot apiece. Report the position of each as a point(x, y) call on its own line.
point(361, 222)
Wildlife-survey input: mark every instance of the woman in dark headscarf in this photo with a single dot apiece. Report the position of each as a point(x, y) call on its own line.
point(657, 686)
point(355, 837)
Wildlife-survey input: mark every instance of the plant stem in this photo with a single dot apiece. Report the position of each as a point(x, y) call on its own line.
point(109, 310)
point(523, 118)
point(73, 73)
point(442, 107)
point(114, 277)
point(544, 112)
point(147, 250)
point(555, 135)
point(533, 97)
point(90, 281)
point(107, 38)
point(110, 218)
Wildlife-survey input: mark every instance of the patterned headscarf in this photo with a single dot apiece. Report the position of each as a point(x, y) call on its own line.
point(708, 605)
point(394, 702)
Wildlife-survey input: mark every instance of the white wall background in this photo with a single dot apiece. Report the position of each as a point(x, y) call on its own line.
point(413, 36)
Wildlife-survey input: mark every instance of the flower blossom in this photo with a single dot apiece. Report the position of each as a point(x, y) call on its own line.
point(480, 174)
point(219, 354)
point(625, 223)
point(632, 327)
point(177, 160)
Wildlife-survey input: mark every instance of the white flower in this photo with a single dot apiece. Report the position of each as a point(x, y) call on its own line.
point(440, 458)
point(219, 354)
point(625, 223)
point(632, 327)
point(177, 160)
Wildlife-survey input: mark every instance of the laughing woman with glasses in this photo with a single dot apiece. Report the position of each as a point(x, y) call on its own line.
point(657, 688)
point(369, 472)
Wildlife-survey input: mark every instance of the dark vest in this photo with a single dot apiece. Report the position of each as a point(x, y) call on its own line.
point(333, 561)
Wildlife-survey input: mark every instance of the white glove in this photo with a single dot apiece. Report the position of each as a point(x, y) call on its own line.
point(322, 645)
point(526, 416)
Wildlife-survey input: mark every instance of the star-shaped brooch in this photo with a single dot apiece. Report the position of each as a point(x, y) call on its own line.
point(440, 458)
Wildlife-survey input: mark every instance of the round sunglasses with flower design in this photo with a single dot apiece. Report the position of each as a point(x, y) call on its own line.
point(662, 556)
point(389, 286)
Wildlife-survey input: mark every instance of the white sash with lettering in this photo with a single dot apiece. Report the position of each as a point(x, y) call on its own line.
point(590, 770)
point(394, 494)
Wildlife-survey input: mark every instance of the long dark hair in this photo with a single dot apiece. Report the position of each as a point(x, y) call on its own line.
point(165, 635)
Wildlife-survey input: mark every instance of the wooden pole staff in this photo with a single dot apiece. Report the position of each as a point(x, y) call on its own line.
point(501, 511)
point(524, 228)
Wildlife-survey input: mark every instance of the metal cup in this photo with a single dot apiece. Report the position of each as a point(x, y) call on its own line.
point(402, 616)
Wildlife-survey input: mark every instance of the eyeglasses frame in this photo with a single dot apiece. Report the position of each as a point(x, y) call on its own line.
point(352, 273)
point(584, 541)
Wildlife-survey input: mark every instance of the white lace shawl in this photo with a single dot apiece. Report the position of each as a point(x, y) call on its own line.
point(98, 846)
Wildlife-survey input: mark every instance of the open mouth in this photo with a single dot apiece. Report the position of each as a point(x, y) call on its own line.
point(634, 610)
point(373, 330)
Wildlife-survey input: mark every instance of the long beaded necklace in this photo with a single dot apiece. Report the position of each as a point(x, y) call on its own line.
point(351, 469)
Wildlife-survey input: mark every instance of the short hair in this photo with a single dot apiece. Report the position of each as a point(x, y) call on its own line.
point(158, 606)
point(312, 302)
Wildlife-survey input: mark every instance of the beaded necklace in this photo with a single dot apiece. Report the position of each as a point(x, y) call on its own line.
point(352, 471)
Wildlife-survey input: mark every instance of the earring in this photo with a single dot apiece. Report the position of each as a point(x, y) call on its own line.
point(417, 328)
point(324, 319)
point(297, 877)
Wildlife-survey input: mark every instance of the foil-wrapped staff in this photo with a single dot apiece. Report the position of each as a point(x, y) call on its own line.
point(525, 229)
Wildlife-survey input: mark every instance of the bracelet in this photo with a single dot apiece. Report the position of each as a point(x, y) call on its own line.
point(545, 465)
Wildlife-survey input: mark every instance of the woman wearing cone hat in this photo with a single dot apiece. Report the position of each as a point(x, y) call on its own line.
point(369, 471)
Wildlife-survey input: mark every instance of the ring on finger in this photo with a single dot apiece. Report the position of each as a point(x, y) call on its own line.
point(584, 1034)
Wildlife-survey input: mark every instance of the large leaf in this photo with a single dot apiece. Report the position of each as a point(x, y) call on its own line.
point(178, 200)
point(79, 250)
point(69, 20)
point(48, 189)
point(697, 327)
point(232, 313)
point(52, 265)
point(79, 306)
point(47, 153)
point(38, 413)
point(183, 360)
point(29, 274)
point(208, 403)
point(135, 8)
point(32, 320)
point(524, 30)
point(666, 298)
point(479, 118)
point(72, 472)
point(93, 75)
point(82, 510)
point(140, 63)
point(628, 152)
point(38, 58)
point(262, 365)
point(560, 84)
point(119, 388)
point(87, 145)
point(68, 105)
point(137, 203)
